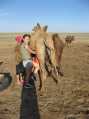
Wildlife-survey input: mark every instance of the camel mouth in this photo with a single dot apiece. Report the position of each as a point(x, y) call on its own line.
point(5, 81)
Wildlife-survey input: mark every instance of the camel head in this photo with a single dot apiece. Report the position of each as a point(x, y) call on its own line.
point(39, 28)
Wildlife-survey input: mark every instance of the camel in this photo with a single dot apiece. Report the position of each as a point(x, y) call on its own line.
point(56, 43)
point(69, 39)
point(37, 44)
point(41, 42)
point(59, 46)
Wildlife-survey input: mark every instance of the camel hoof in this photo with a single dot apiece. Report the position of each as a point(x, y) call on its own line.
point(61, 74)
point(56, 81)
point(40, 93)
point(1, 62)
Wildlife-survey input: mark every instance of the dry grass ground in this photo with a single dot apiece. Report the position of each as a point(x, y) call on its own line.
point(70, 98)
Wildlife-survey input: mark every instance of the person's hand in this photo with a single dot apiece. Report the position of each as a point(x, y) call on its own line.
point(18, 82)
point(22, 81)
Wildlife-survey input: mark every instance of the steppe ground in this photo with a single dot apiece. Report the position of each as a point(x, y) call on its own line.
point(67, 100)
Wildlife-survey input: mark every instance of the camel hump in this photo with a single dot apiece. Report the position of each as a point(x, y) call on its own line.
point(55, 35)
point(55, 38)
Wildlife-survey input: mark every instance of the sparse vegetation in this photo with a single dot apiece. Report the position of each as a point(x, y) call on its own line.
point(69, 99)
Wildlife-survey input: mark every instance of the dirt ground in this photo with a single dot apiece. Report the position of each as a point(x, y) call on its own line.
point(69, 99)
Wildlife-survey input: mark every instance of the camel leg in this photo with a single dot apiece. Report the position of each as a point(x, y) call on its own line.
point(54, 74)
point(51, 71)
point(68, 45)
point(58, 66)
point(60, 71)
point(40, 79)
point(43, 77)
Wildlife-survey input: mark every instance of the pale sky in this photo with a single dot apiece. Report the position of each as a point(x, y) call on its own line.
point(59, 15)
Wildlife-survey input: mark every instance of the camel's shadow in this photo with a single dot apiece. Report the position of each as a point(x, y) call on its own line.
point(29, 104)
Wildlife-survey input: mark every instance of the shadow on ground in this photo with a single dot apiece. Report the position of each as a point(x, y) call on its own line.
point(29, 103)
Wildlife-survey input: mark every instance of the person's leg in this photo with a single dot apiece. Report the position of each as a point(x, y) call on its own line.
point(21, 78)
point(17, 74)
point(18, 79)
point(28, 71)
point(22, 72)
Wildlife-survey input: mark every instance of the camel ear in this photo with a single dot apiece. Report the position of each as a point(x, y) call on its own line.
point(45, 28)
point(37, 27)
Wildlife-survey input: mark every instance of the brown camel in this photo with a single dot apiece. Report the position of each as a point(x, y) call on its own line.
point(59, 46)
point(69, 39)
point(55, 44)
point(40, 41)
point(37, 44)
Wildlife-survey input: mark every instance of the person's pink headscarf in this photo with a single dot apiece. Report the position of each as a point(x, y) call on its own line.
point(19, 38)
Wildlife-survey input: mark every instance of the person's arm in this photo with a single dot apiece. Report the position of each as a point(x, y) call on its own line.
point(30, 50)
